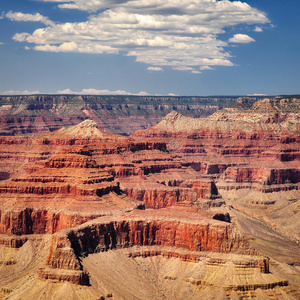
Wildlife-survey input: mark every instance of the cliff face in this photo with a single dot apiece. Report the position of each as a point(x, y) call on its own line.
point(195, 236)
point(266, 175)
point(36, 221)
point(165, 188)
point(142, 229)
point(259, 178)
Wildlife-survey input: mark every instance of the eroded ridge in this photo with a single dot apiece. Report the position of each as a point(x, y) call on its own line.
point(202, 204)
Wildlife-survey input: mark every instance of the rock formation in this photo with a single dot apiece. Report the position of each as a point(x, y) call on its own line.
point(200, 205)
point(46, 113)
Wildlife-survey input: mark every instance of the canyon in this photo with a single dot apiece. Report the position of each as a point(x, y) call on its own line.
point(22, 115)
point(188, 208)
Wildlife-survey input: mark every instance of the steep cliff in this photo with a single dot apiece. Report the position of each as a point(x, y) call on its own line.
point(219, 195)
point(169, 227)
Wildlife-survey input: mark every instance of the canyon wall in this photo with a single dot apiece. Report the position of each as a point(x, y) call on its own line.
point(171, 188)
point(107, 234)
point(46, 113)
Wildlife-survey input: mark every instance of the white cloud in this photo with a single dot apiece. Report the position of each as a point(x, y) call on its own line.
point(257, 95)
point(13, 92)
point(258, 29)
point(1, 43)
point(73, 47)
point(156, 69)
point(241, 38)
point(184, 68)
point(18, 16)
point(100, 92)
point(180, 34)
point(82, 92)
point(65, 91)
point(142, 93)
point(205, 68)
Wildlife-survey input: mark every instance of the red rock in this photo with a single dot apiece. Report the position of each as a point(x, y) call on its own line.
point(82, 185)
point(145, 228)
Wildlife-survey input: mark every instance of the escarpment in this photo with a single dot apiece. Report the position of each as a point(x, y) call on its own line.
point(204, 204)
point(35, 114)
point(143, 229)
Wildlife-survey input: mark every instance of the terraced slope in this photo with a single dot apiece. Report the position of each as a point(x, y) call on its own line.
point(187, 209)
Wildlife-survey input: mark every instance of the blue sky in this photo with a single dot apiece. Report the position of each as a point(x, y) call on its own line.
point(181, 47)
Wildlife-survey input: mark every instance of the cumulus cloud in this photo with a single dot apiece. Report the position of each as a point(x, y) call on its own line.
point(206, 68)
point(73, 47)
point(155, 69)
point(258, 29)
point(13, 92)
point(18, 16)
point(180, 34)
point(241, 38)
point(100, 92)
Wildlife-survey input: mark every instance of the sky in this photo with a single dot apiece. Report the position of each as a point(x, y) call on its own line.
point(150, 47)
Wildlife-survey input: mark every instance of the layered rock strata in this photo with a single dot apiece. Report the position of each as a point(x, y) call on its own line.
point(169, 227)
point(35, 114)
point(167, 186)
point(258, 147)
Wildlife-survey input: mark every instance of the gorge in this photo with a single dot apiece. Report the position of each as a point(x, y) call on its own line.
point(189, 208)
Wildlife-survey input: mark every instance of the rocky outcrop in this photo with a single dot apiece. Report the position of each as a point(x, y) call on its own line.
point(259, 178)
point(32, 221)
point(147, 228)
point(257, 262)
point(155, 195)
point(72, 276)
point(166, 189)
point(266, 175)
point(12, 241)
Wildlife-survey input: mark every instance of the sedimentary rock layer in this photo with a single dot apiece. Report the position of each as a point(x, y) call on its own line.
point(178, 185)
point(46, 113)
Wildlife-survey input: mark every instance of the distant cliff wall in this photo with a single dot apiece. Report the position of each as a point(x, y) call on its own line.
point(114, 114)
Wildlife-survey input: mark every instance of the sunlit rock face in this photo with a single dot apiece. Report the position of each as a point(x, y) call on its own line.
point(205, 207)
